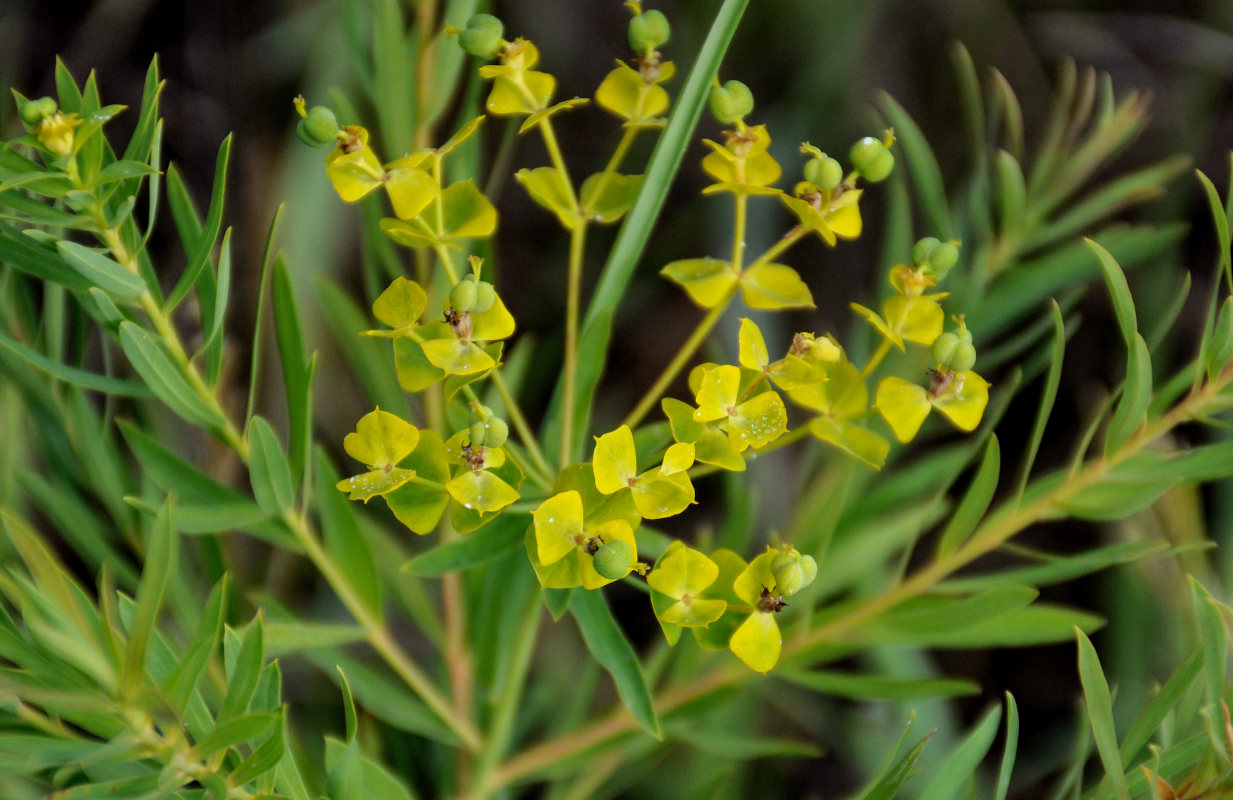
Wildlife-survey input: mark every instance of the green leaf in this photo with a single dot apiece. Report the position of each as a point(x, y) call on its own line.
point(1131, 410)
point(232, 732)
point(959, 768)
point(1114, 499)
point(885, 785)
point(181, 682)
point(164, 377)
point(1060, 568)
point(345, 777)
point(102, 271)
point(368, 358)
point(344, 541)
point(215, 327)
point(297, 372)
point(1218, 350)
point(1161, 707)
point(1119, 292)
point(161, 562)
point(607, 643)
point(379, 784)
point(348, 705)
point(922, 165)
point(203, 244)
point(263, 759)
point(1214, 639)
point(879, 687)
point(242, 677)
point(289, 638)
point(975, 502)
point(742, 744)
point(1012, 194)
point(1048, 395)
point(1100, 714)
point(33, 258)
point(268, 469)
point(1009, 748)
point(606, 196)
point(1221, 220)
point(1040, 623)
point(73, 375)
point(480, 547)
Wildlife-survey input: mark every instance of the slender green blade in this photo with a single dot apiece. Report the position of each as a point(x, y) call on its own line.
point(161, 562)
point(1100, 714)
point(960, 766)
point(975, 502)
point(607, 642)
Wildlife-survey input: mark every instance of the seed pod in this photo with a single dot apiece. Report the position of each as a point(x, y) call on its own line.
point(34, 111)
point(319, 128)
point(944, 347)
point(482, 36)
point(613, 559)
point(922, 249)
point(731, 102)
point(825, 172)
point(498, 432)
point(793, 573)
point(943, 257)
point(485, 296)
point(647, 31)
point(478, 433)
point(463, 295)
point(870, 158)
point(964, 357)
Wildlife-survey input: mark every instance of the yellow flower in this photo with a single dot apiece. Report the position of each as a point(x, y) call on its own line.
point(960, 396)
point(56, 132)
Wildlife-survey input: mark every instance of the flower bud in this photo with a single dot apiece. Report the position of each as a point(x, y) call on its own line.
point(870, 158)
point(319, 128)
point(485, 296)
point(922, 249)
point(478, 433)
point(944, 347)
point(463, 295)
point(648, 31)
point(793, 571)
point(964, 357)
point(498, 432)
point(482, 36)
point(825, 172)
point(35, 111)
point(731, 102)
point(613, 559)
point(936, 255)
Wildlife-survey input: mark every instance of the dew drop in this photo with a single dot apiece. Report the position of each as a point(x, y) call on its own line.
point(466, 505)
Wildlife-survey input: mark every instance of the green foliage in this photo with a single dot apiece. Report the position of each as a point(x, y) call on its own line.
point(157, 538)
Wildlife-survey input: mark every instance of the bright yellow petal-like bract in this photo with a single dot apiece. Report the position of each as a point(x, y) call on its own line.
point(903, 405)
point(758, 641)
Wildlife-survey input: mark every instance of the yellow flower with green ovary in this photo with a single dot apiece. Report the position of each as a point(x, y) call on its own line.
point(516, 88)
point(758, 641)
point(380, 440)
point(681, 576)
point(752, 423)
point(960, 396)
point(354, 170)
point(566, 548)
point(663, 491)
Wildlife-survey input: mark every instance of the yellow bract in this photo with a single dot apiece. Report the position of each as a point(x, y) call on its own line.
point(564, 546)
point(380, 441)
point(905, 405)
point(626, 94)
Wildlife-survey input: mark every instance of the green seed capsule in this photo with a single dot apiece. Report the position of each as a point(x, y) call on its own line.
point(463, 295)
point(613, 559)
point(486, 22)
point(922, 250)
point(498, 432)
point(943, 257)
point(794, 574)
point(731, 102)
point(34, 111)
point(485, 296)
point(944, 347)
point(648, 31)
point(964, 357)
point(480, 42)
point(319, 128)
point(478, 433)
point(825, 172)
point(870, 158)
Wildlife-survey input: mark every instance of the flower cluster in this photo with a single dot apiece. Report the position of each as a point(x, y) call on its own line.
point(586, 518)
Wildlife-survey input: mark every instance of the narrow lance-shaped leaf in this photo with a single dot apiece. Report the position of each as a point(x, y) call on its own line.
point(102, 271)
point(1119, 292)
point(1131, 410)
point(612, 650)
point(1009, 748)
point(297, 373)
point(263, 759)
point(268, 470)
point(162, 558)
point(182, 681)
point(1048, 395)
point(975, 502)
point(164, 377)
point(242, 678)
point(960, 766)
point(1100, 714)
point(199, 255)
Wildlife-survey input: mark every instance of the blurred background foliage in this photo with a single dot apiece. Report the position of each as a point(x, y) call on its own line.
point(816, 69)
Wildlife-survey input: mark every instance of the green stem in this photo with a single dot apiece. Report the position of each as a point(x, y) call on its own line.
point(505, 714)
point(379, 637)
point(876, 358)
point(577, 246)
point(678, 362)
point(525, 435)
point(996, 531)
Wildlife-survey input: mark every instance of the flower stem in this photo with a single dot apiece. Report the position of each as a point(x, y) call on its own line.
point(577, 245)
